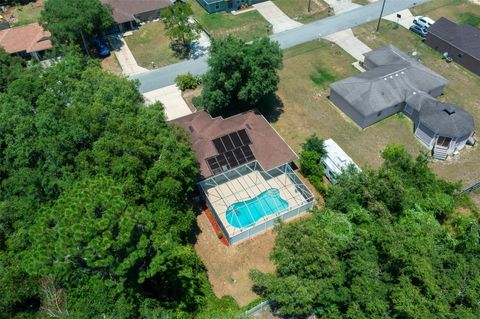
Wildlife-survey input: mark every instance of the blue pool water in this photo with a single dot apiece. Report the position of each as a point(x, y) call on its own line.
point(244, 214)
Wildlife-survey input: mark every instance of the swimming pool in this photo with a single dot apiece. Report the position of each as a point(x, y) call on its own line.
point(247, 213)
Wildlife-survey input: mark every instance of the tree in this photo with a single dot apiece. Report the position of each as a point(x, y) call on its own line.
point(379, 250)
point(180, 27)
point(10, 69)
point(240, 74)
point(94, 194)
point(75, 21)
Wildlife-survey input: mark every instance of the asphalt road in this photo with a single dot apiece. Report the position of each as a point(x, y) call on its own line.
point(165, 76)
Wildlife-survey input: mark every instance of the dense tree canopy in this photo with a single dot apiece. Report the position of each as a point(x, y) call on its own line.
point(75, 21)
point(10, 68)
point(379, 250)
point(240, 74)
point(94, 212)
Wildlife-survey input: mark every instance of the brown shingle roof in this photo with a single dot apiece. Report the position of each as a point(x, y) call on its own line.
point(29, 38)
point(125, 10)
point(269, 148)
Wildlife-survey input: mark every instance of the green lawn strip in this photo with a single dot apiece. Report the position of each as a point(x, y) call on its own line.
point(247, 26)
point(460, 11)
point(298, 9)
point(150, 44)
point(26, 14)
point(361, 2)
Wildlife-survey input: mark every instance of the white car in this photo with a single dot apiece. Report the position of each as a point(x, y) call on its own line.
point(423, 22)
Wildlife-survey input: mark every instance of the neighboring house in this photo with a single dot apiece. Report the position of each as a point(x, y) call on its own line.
point(26, 41)
point(246, 176)
point(225, 5)
point(336, 161)
point(394, 82)
point(126, 13)
point(460, 42)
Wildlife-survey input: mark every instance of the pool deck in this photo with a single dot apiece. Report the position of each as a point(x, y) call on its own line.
point(247, 187)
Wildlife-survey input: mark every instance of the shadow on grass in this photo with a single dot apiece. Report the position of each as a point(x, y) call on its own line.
point(271, 107)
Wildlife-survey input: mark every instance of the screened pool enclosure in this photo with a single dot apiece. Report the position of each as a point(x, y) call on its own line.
point(247, 200)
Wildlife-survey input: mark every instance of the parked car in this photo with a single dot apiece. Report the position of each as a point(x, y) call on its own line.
point(101, 47)
point(423, 22)
point(418, 30)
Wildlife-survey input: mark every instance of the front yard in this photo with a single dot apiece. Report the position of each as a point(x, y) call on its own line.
point(461, 11)
point(25, 14)
point(247, 26)
point(298, 9)
point(151, 47)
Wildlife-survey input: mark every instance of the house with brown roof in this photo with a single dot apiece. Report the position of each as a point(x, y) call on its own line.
point(26, 41)
point(126, 13)
point(246, 174)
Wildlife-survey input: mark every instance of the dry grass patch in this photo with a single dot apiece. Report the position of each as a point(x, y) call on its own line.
point(228, 267)
point(150, 44)
point(111, 64)
point(298, 9)
point(461, 11)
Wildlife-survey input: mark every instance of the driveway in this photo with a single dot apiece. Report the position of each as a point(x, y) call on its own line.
point(124, 55)
point(172, 100)
point(280, 21)
point(405, 21)
point(350, 43)
point(166, 76)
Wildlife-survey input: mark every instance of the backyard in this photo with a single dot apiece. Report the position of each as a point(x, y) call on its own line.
point(151, 47)
point(298, 9)
point(247, 26)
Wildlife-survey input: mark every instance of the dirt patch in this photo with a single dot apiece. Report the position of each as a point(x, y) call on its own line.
point(228, 267)
point(111, 65)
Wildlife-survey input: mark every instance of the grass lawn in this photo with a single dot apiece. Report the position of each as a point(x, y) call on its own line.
point(462, 90)
point(303, 90)
point(247, 26)
point(150, 44)
point(298, 9)
point(28, 13)
point(461, 11)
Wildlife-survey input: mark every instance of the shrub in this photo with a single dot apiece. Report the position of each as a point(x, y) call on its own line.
point(187, 81)
point(197, 102)
point(219, 235)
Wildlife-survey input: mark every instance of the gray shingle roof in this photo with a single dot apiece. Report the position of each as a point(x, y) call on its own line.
point(464, 37)
point(390, 83)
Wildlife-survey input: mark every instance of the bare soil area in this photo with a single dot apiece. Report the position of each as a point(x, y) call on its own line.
point(228, 267)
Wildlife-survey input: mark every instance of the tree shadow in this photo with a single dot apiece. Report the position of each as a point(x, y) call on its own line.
point(271, 107)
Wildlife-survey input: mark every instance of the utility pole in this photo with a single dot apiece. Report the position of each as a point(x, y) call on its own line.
point(381, 14)
point(309, 5)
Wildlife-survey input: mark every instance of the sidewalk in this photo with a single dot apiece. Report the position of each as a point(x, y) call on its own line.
point(124, 55)
point(340, 6)
point(276, 17)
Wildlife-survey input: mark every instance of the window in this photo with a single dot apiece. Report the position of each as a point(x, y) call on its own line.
point(460, 55)
point(217, 6)
point(379, 113)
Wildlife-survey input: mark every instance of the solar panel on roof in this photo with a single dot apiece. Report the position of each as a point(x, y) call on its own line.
point(232, 162)
point(244, 137)
point(248, 153)
point(219, 145)
point(239, 156)
point(212, 162)
point(227, 142)
point(222, 161)
point(237, 142)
